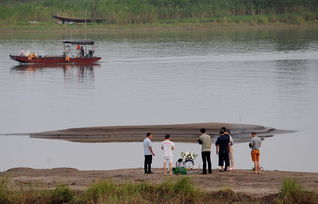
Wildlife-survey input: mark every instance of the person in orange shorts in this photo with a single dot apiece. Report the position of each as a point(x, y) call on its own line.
point(255, 144)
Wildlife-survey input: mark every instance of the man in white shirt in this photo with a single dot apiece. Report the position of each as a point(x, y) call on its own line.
point(167, 146)
point(148, 152)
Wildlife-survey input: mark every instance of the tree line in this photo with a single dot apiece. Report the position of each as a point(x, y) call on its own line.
point(154, 11)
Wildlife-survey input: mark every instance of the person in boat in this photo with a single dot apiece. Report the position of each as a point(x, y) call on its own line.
point(22, 52)
point(82, 53)
point(90, 53)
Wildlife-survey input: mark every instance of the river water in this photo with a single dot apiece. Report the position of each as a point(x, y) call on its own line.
point(249, 76)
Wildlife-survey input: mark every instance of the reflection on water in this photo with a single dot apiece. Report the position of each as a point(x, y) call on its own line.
point(79, 72)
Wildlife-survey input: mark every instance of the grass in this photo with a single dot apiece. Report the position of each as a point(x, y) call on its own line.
point(62, 194)
point(4, 191)
point(218, 23)
point(292, 192)
point(123, 12)
point(180, 191)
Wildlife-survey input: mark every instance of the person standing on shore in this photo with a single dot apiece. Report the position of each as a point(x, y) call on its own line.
point(231, 151)
point(255, 144)
point(222, 149)
point(205, 141)
point(148, 152)
point(167, 146)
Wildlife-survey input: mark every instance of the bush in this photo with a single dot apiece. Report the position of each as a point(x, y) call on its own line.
point(292, 192)
point(289, 187)
point(62, 194)
point(4, 192)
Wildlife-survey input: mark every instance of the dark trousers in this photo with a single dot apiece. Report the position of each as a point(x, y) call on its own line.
point(206, 157)
point(148, 161)
point(224, 157)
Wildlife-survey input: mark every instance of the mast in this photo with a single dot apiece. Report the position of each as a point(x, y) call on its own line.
point(94, 9)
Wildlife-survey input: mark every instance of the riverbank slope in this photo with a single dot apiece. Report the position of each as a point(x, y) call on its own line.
point(259, 185)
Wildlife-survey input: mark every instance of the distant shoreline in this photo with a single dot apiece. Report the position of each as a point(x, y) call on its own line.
point(131, 28)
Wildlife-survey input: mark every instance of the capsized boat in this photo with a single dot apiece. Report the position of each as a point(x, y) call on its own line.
point(82, 53)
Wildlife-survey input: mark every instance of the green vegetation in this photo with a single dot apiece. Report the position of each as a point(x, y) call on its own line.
point(163, 11)
point(292, 192)
point(180, 191)
point(62, 194)
point(4, 191)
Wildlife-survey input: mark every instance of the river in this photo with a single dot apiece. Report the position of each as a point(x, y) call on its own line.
point(249, 76)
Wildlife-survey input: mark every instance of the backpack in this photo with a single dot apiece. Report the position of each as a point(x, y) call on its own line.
point(179, 170)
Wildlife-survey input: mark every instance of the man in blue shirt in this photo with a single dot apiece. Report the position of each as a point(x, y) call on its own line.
point(148, 152)
point(222, 149)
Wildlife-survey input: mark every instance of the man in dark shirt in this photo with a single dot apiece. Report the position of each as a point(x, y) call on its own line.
point(222, 149)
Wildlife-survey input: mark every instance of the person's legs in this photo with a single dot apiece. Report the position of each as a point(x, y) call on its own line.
point(146, 163)
point(149, 164)
point(221, 159)
point(208, 156)
point(170, 168)
point(255, 167)
point(203, 154)
point(164, 166)
point(231, 157)
point(259, 155)
point(227, 161)
point(255, 159)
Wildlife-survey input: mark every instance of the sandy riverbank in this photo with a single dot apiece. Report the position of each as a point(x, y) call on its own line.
point(268, 182)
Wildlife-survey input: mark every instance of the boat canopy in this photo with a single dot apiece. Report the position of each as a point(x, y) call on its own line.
point(79, 42)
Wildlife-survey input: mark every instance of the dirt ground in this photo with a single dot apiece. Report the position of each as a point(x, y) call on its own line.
point(265, 183)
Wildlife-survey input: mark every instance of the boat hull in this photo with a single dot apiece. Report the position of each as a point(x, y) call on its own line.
point(54, 60)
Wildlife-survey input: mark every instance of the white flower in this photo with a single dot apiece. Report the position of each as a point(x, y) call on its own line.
point(188, 156)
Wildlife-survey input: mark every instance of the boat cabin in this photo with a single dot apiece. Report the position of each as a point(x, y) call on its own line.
point(79, 48)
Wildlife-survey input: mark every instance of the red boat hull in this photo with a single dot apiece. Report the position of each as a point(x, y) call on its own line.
point(55, 60)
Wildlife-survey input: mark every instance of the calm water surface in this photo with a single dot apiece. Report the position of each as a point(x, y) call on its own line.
point(254, 77)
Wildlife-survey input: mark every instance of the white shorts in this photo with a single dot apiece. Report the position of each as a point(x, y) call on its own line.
point(167, 159)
